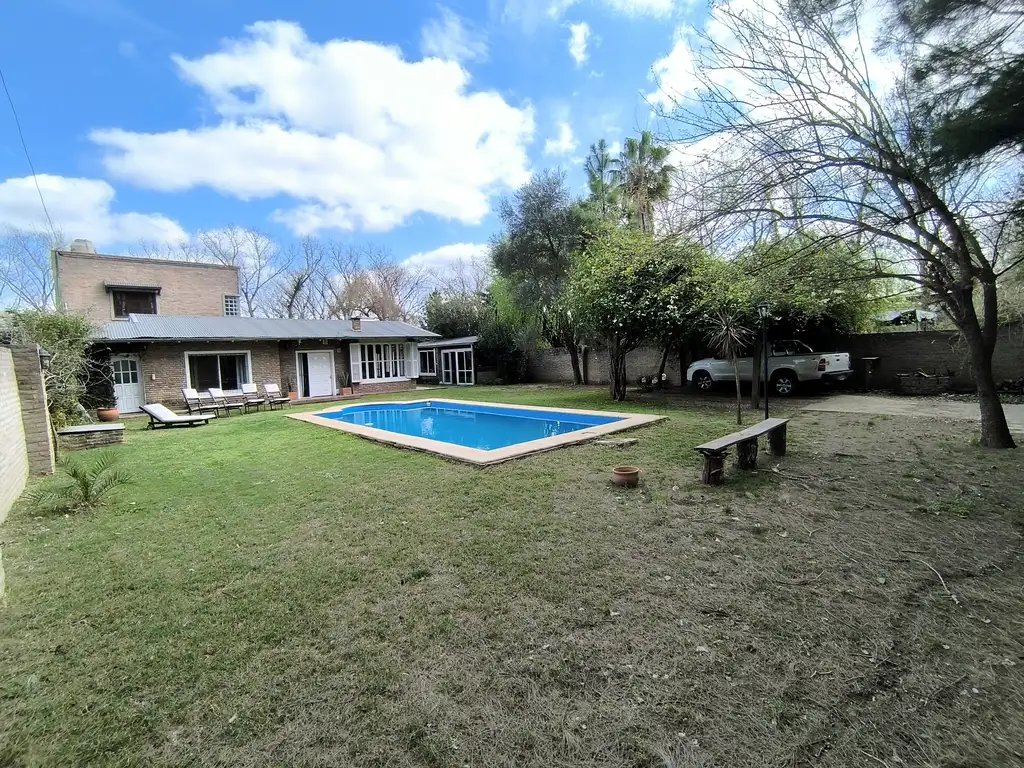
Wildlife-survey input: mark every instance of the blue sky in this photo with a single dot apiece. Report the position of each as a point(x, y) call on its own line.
point(396, 122)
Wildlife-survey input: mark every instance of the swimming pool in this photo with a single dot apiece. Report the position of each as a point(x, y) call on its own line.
point(480, 433)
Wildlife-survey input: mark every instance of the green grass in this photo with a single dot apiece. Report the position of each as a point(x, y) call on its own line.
point(269, 592)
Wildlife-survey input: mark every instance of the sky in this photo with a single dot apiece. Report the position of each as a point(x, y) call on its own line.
point(396, 122)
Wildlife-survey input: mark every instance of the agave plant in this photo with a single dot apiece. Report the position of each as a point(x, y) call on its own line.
point(84, 485)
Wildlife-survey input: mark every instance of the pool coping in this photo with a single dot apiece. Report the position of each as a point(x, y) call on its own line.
point(477, 456)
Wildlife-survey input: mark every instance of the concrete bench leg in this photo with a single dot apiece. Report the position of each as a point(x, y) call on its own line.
point(777, 441)
point(711, 471)
point(746, 454)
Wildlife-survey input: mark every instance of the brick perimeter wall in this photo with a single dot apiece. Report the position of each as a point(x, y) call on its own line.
point(35, 418)
point(13, 456)
point(554, 365)
point(934, 352)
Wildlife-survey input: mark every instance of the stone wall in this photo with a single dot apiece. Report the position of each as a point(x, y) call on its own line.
point(35, 418)
point(90, 436)
point(13, 456)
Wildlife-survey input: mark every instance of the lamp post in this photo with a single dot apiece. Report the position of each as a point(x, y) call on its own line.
point(762, 311)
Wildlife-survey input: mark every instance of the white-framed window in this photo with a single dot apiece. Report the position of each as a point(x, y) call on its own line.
point(428, 362)
point(227, 370)
point(232, 308)
point(382, 361)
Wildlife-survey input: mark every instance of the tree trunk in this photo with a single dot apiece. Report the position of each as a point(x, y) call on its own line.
point(617, 372)
point(664, 359)
point(994, 431)
point(574, 358)
point(739, 397)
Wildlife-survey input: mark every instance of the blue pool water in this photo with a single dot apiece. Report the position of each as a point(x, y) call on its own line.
point(485, 427)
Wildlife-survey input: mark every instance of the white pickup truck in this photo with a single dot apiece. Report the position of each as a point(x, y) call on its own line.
point(790, 363)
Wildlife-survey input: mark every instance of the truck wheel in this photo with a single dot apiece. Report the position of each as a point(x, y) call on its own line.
point(783, 383)
point(702, 381)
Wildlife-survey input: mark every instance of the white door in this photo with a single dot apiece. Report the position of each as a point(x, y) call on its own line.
point(128, 387)
point(321, 374)
point(447, 367)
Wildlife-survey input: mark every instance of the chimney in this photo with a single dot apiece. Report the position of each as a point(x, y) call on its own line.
point(357, 323)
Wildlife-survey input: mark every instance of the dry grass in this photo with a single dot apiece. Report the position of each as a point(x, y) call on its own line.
point(384, 608)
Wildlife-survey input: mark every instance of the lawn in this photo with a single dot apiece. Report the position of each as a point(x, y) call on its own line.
point(269, 592)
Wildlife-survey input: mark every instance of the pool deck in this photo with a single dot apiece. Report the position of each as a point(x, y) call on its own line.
point(477, 456)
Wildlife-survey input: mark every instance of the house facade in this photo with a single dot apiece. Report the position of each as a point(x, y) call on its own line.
point(169, 325)
point(153, 357)
point(448, 361)
point(104, 288)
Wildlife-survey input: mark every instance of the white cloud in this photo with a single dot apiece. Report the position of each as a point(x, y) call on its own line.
point(578, 36)
point(530, 13)
point(81, 208)
point(448, 38)
point(460, 266)
point(563, 144)
point(447, 255)
point(360, 137)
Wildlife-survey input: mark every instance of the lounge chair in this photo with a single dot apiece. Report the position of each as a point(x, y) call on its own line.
point(274, 397)
point(252, 397)
point(196, 402)
point(162, 416)
point(223, 402)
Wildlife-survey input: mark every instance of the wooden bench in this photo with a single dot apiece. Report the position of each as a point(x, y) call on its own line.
point(715, 451)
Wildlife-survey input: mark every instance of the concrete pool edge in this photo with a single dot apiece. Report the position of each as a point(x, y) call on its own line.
point(476, 456)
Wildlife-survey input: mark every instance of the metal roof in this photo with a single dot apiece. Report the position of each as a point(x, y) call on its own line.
point(179, 327)
point(462, 341)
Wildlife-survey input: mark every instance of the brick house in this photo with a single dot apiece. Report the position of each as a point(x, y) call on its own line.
point(154, 356)
point(170, 324)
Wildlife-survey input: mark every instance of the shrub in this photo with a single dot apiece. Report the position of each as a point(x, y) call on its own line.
point(84, 485)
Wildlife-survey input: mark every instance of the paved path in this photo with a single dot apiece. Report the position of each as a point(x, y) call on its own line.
point(914, 406)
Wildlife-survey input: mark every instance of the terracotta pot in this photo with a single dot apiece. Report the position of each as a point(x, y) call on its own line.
point(346, 390)
point(107, 414)
point(293, 395)
point(626, 477)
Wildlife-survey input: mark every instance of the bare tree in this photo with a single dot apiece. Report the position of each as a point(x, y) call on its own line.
point(26, 267)
point(464, 277)
point(255, 254)
point(805, 131)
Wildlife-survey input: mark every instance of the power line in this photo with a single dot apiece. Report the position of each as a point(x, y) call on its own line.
point(28, 157)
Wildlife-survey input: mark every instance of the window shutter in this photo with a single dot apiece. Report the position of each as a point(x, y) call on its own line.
point(356, 362)
point(412, 360)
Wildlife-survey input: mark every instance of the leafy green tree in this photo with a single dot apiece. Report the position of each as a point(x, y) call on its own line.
point(629, 288)
point(454, 316)
point(969, 66)
point(602, 181)
point(644, 175)
point(543, 228)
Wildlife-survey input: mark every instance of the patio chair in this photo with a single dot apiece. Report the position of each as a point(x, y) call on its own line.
point(225, 403)
point(273, 394)
point(162, 416)
point(197, 402)
point(252, 397)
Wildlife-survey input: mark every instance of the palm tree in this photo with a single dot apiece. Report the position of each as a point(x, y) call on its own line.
point(602, 179)
point(645, 178)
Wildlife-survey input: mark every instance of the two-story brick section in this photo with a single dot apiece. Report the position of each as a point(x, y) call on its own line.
point(169, 325)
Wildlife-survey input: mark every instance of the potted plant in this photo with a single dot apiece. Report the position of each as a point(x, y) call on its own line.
point(292, 394)
point(346, 385)
point(98, 388)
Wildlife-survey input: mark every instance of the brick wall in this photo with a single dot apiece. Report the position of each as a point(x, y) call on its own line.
point(186, 289)
point(81, 441)
point(553, 365)
point(35, 418)
point(162, 366)
point(934, 352)
point(368, 388)
point(287, 362)
point(13, 456)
